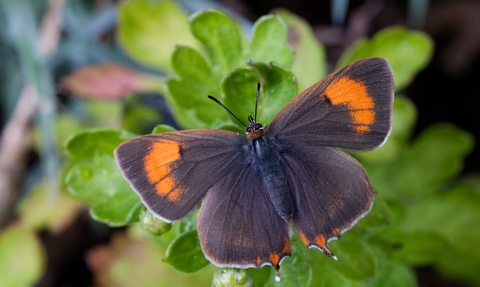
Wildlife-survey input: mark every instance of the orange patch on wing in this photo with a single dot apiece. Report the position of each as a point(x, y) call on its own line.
point(258, 261)
point(355, 95)
point(362, 129)
point(303, 238)
point(364, 117)
point(157, 167)
point(335, 231)
point(165, 186)
point(322, 243)
point(174, 195)
point(275, 259)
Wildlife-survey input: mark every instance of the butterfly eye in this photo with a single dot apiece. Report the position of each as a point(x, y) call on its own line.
point(253, 126)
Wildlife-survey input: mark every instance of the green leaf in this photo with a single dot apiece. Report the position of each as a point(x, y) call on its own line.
point(22, 259)
point(188, 92)
point(152, 224)
point(260, 276)
point(453, 214)
point(310, 57)
point(408, 52)
point(379, 216)
point(421, 247)
point(150, 30)
point(465, 267)
point(162, 129)
point(435, 157)
point(390, 273)
point(268, 43)
point(93, 142)
point(394, 274)
point(140, 119)
point(393, 232)
point(95, 179)
point(98, 182)
point(185, 253)
point(356, 260)
point(297, 270)
point(232, 277)
point(404, 118)
point(331, 278)
point(188, 223)
point(279, 87)
point(139, 116)
point(120, 209)
point(239, 88)
point(221, 38)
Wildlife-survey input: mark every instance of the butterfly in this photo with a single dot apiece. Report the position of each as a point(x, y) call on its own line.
point(254, 185)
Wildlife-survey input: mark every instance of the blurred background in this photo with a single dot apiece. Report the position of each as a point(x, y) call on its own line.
point(42, 42)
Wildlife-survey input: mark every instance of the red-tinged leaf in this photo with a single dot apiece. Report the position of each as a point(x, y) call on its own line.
point(108, 81)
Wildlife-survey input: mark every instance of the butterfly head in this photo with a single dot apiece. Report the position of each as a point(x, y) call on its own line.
point(254, 130)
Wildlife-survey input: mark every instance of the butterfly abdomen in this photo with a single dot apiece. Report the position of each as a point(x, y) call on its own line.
point(272, 174)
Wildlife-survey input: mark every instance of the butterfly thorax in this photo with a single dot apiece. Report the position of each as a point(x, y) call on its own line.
point(270, 169)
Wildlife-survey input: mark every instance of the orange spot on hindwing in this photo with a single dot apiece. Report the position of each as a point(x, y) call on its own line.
point(335, 231)
point(355, 96)
point(157, 164)
point(303, 238)
point(275, 259)
point(322, 243)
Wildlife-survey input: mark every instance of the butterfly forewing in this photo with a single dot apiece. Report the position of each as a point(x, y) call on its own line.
point(172, 171)
point(351, 108)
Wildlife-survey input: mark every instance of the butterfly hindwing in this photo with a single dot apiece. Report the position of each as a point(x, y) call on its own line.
point(238, 225)
point(172, 171)
point(351, 108)
point(331, 190)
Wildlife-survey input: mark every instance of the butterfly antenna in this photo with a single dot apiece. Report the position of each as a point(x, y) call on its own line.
point(225, 108)
point(256, 100)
